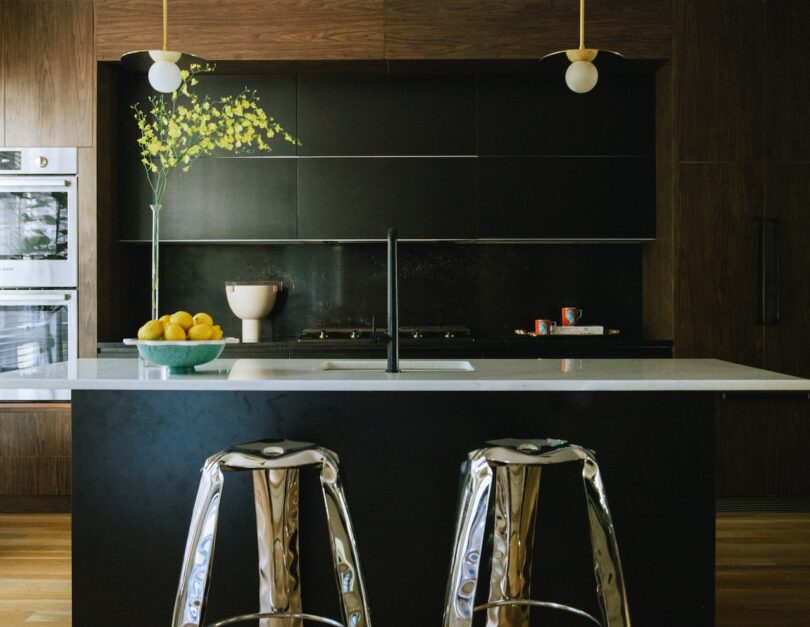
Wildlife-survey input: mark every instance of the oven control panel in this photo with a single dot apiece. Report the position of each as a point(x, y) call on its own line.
point(38, 160)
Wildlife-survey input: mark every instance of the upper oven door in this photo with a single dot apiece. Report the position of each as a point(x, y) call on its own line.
point(38, 231)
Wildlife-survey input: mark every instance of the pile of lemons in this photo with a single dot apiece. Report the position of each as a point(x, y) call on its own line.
point(179, 326)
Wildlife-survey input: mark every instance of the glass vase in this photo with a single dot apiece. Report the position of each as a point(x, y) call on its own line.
point(155, 260)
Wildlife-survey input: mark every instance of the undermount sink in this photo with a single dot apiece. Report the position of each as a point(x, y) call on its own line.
point(405, 365)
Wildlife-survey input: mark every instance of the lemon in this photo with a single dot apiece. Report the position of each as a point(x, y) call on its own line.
point(203, 318)
point(152, 330)
point(165, 319)
point(200, 332)
point(216, 332)
point(184, 319)
point(174, 332)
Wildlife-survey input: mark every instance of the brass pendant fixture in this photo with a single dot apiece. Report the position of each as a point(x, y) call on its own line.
point(163, 66)
point(582, 75)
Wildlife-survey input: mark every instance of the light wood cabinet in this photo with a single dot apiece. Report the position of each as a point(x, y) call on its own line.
point(48, 72)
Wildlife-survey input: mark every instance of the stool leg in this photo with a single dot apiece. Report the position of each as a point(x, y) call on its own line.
point(275, 494)
point(607, 565)
point(344, 547)
point(192, 592)
point(470, 525)
point(517, 488)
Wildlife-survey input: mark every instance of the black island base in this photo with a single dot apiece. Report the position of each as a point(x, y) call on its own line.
point(136, 467)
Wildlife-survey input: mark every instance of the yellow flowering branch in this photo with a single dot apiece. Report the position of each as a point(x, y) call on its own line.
point(184, 127)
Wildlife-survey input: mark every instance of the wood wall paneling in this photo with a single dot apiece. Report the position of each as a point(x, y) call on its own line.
point(787, 343)
point(249, 29)
point(787, 80)
point(659, 255)
point(48, 72)
point(718, 52)
point(88, 251)
point(716, 286)
point(517, 29)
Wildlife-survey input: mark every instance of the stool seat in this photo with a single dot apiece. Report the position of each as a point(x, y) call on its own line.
point(275, 467)
point(516, 466)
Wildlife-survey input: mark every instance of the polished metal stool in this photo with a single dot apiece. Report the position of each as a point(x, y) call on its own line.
point(275, 466)
point(517, 465)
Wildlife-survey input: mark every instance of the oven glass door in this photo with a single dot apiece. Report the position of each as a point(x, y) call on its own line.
point(36, 329)
point(37, 223)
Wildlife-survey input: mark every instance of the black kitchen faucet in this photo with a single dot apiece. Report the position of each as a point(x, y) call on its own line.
point(393, 316)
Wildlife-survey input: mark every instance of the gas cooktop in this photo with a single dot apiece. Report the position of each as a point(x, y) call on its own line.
point(441, 333)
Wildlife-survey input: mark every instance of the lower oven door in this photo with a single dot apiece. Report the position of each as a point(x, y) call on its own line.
point(37, 327)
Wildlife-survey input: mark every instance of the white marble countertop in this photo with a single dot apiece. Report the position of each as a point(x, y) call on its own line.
point(485, 375)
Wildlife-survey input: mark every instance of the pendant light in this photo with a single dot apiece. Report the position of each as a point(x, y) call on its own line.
point(582, 75)
point(163, 65)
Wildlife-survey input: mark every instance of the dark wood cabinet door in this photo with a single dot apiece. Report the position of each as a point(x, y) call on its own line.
point(787, 89)
point(763, 445)
point(719, 79)
point(716, 281)
point(787, 200)
point(48, 67)
point(34, 449)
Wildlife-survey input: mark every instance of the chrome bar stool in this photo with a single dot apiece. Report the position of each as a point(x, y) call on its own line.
point(517, 465)
point(275, 466)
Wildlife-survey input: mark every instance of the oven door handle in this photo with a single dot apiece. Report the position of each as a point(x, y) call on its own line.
point(33, 181)
point(33, 299)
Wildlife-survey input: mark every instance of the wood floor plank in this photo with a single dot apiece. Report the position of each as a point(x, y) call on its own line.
point(762, 576)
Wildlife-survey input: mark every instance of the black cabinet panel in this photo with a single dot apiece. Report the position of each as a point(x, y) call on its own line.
point(373, 114)
point(361, 198)
point(240, 198)
point(259, 204)
point(536, 114)
point(598, 197)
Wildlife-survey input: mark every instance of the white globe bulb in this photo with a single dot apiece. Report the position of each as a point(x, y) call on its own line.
point(581, 76)
point(164, 76)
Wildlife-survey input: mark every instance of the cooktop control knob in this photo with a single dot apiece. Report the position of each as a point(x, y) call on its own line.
point(41, 161)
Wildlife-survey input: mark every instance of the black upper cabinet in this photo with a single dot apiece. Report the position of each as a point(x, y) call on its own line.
point(437, 155)
point(567, 197)
point(386, 115)
point(355, 198)
point(537, 115)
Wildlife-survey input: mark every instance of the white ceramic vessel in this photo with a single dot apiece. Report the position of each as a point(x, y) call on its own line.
point(251, 301)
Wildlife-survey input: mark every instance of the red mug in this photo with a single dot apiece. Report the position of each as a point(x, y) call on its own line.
point(543, 327)
point(571, 316)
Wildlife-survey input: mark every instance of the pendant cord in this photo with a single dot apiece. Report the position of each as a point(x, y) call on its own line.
point(581, 24)
point(166, 24)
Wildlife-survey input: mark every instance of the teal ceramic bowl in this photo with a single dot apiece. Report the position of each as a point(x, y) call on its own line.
point(180, 357)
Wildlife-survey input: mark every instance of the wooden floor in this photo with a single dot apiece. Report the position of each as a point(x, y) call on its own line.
point(763, 570)
point(34, 569)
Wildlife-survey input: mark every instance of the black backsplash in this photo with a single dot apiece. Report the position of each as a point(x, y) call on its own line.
point(492, 288)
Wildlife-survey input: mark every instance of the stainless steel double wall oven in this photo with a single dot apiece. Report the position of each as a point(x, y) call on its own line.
point(38, 261)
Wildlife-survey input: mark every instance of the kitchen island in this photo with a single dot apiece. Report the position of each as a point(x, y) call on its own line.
point(140, 437)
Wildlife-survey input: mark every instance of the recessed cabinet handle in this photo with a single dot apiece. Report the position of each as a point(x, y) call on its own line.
point(775, 244)
point(760, 252)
